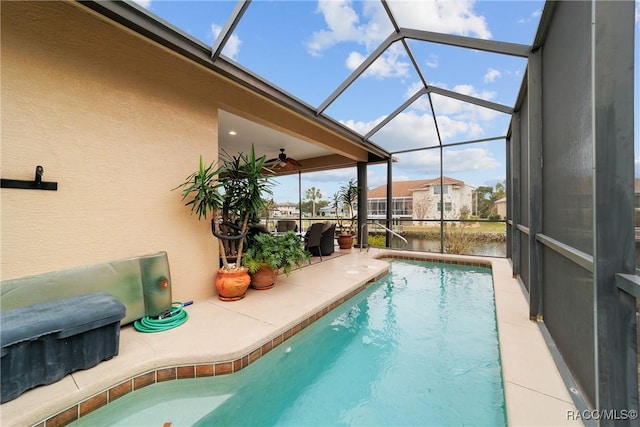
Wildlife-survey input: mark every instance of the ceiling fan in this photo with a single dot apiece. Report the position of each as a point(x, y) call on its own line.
point(282, 162)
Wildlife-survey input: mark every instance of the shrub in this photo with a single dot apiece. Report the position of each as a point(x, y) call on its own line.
point(457, 240)
point(378, 240)
point(283, 251)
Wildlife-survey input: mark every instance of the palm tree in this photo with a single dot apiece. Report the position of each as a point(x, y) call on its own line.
point(269, 206)
point(312, 194)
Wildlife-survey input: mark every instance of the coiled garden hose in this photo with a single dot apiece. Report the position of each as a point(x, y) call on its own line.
point(168, 320)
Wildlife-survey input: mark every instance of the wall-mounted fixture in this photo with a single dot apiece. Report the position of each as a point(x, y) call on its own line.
point(36, 184)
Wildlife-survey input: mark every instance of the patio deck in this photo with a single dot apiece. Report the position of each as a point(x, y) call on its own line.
point(222, 337)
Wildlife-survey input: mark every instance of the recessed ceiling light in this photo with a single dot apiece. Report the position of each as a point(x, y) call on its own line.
point(232, 132)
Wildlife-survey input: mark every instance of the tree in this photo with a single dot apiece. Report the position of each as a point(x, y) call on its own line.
point(345, 201)
point(313, 194)
point(465, 212)
point(268, 208)
point(499, 192)
point(425, 205)
point(306, 206)
point(485, 198)
point(420, 207)
point(483, 201)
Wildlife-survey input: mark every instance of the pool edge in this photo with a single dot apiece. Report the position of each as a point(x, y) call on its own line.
point(536, 393)
point(523, 400)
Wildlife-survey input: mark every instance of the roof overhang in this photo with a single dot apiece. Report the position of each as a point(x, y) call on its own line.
point(258, 100)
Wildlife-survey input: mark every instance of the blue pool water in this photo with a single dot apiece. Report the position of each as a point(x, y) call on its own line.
point(419, 347)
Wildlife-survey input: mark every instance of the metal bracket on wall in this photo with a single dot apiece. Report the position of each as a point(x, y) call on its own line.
point(36, 184)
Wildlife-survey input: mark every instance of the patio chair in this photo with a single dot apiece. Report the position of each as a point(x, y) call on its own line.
point(285, 225)
point(313, 238)
point(328, 239)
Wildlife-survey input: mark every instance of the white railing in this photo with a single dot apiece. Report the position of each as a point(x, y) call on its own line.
point(383, 227)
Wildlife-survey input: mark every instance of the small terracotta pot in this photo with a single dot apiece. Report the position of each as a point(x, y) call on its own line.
point(345, 241)
point(232, 285)
point(264, 278)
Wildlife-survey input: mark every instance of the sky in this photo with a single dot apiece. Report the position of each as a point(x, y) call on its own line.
point(308, 48)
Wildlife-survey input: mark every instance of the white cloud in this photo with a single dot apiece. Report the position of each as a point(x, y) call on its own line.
point(534, 15)
point(451, 17)
point(354, 60)
point(423, 163)
point(457, 120)
point(407, 130)
point(387, 65)
point(467, 89)
point(427, 163)
point(411, 129)
point(345, 25)
point(232, 47)
point(451, 129)
point(377, 176)
point(360, 126)
point(491, 75)
point(412, 89)
point(144, 3)
point(333, 175)
point(460, 110)
point(432, 61)
point(328, 182)
point(491, 182)
point(415, 128)
point(469, 159)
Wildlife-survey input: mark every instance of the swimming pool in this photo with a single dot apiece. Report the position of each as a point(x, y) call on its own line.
point(418, 347)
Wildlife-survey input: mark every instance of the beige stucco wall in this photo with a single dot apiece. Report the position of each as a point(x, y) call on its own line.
point(117, 122)
point(501, 207)
point(459, 197)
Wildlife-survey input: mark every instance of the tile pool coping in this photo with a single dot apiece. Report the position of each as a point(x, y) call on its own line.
point(533, 396)
point(189, 371)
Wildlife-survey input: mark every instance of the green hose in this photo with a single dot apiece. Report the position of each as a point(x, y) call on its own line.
point(168, 320)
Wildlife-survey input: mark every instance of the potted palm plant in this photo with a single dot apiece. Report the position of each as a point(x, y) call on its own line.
point(233, 195)
point(344, 203)
point(268, 254)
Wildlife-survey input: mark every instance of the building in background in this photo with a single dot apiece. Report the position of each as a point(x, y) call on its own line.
point(420, 200)
point(286, 209)
point(501, 207)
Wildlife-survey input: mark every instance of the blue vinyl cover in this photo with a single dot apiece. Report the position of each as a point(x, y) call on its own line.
point(65, 317)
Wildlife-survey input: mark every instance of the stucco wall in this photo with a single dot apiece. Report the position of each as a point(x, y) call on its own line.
point(501, 207)
point(117, 122)
point(428, 200)
point(464, 199)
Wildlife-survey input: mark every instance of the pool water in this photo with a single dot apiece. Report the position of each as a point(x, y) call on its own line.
point(419, 347)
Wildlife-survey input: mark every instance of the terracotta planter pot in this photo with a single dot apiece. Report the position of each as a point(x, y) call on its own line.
point(345, 241)
point(264, 278)
point(232, 285)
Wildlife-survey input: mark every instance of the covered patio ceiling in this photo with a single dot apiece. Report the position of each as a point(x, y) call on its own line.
point(434, 112)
